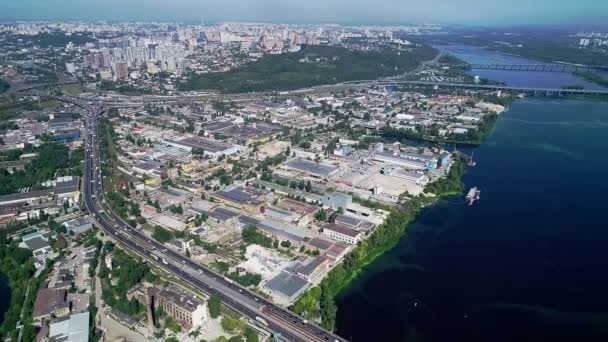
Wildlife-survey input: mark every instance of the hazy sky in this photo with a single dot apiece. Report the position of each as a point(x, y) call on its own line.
point(473, 12)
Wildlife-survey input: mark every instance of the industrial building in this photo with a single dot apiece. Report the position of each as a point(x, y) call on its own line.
point(397, 159)
point(275, 229)
point(343, 233)
point(286, 287)
point(51, 303)
point(72, 329)
point(310, 168)
point(148, 167)
point(78, 225)
point(185, 308)
point(314, 268)
point(64, 190)
point(411, 176)
point(210, 148)
point(304, 211)
point(246, 198)
point(337, 200)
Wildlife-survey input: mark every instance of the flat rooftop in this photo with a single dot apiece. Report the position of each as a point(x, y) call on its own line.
point(217, 126)
point(342, 229)
point(321, 244)
point(274, 228)
point(297, 206)
point(287, 284)
point(241, 195)
point(211, 146)
point(312, 266)
point(348, 220)
point(311, 167)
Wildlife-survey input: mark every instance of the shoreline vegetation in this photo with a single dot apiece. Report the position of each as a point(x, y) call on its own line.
point(318, 303)
point(19, 270)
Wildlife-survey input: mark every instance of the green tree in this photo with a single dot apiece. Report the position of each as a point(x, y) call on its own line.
point(215, 306)
point(321, 215)
point(251, 335)
point(162, 235)
point(229, 324)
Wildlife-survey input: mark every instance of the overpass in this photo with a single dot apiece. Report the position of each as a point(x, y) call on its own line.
point(541, 67)
point(525, 90)
point(257, 308)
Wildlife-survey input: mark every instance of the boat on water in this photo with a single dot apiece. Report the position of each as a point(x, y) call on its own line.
point(473, 195)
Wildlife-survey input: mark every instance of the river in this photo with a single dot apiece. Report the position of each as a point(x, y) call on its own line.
point(5, 296)
point(526, 263)
point(475, 55)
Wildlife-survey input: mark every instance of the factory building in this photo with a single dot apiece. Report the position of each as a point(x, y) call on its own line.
point(210, 148)
point(186, 309)
point(246, 198)
point(311, 168)
point(342, 233)
point(397, 159)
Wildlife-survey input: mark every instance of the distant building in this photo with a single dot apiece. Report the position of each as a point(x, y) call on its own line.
point(121, 72)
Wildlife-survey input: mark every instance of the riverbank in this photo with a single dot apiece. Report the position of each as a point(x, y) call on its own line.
point(318, 303)
point(18, 268)
point(473, 273)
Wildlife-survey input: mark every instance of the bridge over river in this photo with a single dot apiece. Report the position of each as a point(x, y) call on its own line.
point(542, 67)
point(524, 90)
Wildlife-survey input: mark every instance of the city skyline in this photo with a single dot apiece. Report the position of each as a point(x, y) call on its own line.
point(463, 12)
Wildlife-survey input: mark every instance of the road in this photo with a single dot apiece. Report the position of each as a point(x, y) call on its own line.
point(276, 319)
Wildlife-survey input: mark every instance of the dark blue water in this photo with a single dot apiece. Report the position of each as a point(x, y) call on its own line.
point(5, 296)
point(529, 262)
point(475, 55)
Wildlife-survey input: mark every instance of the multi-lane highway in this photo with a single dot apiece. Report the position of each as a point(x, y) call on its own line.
point(273, 318)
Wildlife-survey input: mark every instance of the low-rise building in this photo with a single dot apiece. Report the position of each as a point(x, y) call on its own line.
point(72, 329)
point(51, 303)
point(183, 307)
point(314, 268)
point(246, 198)
point(286, 287)
point(62, 191)
point(78, 225)
point(305, 211)
point(311, 168)
point(210, 148)
point(343, 233)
